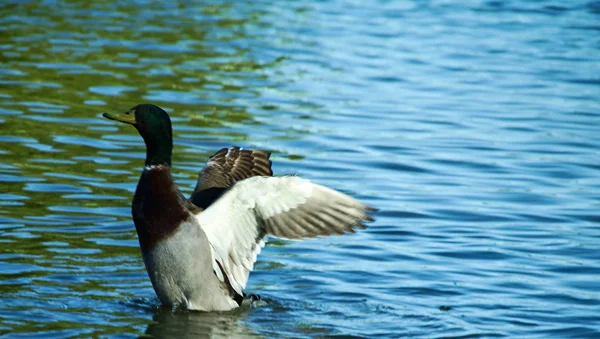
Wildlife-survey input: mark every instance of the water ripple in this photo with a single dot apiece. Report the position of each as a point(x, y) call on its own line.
point(472, 126)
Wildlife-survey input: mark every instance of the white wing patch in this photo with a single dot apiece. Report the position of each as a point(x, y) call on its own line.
point(238, 223)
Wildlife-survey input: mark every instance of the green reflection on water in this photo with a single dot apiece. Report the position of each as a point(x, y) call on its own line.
point(68, 244)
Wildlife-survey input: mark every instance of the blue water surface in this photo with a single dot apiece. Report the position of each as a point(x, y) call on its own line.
point(474, 126)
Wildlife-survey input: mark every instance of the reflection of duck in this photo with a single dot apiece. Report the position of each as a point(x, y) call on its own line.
point(199, 325)
point(199, 252)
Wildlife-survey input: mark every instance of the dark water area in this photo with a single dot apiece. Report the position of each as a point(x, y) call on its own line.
point(474, 126)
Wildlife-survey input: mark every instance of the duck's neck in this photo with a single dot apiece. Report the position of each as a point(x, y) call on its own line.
point(158, 206)
point(159, 148)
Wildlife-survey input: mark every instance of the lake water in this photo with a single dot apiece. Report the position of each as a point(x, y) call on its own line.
point(473, 125)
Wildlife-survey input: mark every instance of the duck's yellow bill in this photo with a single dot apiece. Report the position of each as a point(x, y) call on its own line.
point(127, 117)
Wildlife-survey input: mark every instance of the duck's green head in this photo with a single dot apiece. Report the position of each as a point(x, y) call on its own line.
point(154, 125)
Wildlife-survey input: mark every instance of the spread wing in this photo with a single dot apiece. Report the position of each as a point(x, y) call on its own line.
point(285, 207)
point(226, 167)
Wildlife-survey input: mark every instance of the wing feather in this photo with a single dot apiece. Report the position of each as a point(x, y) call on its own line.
point(289, 207)
point(226, 167)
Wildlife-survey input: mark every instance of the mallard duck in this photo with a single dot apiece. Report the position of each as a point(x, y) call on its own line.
point(199, 251)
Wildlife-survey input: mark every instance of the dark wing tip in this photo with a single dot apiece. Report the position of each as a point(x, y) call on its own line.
point(368, 218)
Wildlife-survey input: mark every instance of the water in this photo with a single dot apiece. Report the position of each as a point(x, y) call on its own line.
point(472, 125)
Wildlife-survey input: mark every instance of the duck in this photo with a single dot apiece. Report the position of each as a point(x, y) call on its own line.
point(199, 251)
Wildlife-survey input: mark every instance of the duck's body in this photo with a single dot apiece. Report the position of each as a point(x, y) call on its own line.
point(182, 273)
point(176, 256)
point(199, 252)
